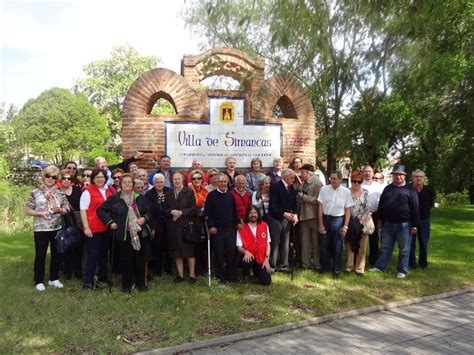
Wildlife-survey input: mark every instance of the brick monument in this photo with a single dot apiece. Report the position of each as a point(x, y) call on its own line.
point(212, 124)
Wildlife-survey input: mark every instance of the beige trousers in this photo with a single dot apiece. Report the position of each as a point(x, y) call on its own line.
point(309, 243)
point(359, 265)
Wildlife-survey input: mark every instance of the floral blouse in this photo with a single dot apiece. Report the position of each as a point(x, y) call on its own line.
point(44, 200)
point(361, 204)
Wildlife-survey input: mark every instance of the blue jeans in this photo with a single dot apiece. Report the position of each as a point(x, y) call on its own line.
point(391, 233)
point(331, 244)
point(97, 256)
point(423, 238)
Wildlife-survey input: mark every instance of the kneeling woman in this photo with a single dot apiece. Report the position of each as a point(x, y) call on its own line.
point(253, 240)
point(128, 214)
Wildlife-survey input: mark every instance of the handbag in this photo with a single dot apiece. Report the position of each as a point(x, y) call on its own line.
point(194, 233)
point(68, 236)
point(368, 226)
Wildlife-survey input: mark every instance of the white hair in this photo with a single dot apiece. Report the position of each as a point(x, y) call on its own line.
point(158, 176)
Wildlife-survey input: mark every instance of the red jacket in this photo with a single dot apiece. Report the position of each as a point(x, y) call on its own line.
point(257, 245)
point(242, 203)
point(95, 224)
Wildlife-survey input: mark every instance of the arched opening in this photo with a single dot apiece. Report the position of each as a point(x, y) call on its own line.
point(161, 103)
point(220, 82)
point(284, 108)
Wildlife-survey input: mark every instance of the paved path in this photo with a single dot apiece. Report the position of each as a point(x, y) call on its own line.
point(444, 326)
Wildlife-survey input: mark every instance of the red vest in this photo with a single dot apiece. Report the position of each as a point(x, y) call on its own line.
point(95, 224)
point(257, 245)
point(242, 203)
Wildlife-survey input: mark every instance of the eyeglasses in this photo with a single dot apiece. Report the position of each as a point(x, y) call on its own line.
point(71, 167)
point(356, 181)
point(68, 178)
point(116, 177)
point(196, 178)
point(87, 175)
point(47, 176)
point(99, 177)
point(212, 175)
point(375, 178)
point(418, 176)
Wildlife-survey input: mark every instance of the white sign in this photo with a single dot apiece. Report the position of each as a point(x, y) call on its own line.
point(226, 134)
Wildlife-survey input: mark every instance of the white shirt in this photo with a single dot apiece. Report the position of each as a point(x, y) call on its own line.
point(375, 190)
point(253, 228)
point(85, 200)
point(334, 201)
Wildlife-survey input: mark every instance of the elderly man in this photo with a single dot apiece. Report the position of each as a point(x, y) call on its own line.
point(308, 199)
point(275, 172)
point(165, 169)
point(142, 175)
point(399, 216)
point(283, 209)
point(241, 196)
point(375, 191)
point(334, 212)
point(426, 199)
point(223, 221)
point(101, 163)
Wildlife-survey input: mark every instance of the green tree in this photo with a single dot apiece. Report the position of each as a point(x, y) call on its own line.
point(58, 126)
point(340, 51)
point(107, 82)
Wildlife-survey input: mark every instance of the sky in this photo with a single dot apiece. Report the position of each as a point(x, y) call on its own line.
point(46, 44)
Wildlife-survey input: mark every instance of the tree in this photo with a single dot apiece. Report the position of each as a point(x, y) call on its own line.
point(59, 125)
point(107, 82)
point(340, 51)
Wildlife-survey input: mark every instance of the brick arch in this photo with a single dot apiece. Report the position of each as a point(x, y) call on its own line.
point(288, 93)
point(162, 83)
point(224, 61)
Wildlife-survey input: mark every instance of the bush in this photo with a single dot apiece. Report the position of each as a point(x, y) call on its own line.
point(12, 208)
point(453, 199)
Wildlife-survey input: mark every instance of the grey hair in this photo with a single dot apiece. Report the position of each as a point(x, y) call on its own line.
point(287, 172)
point(158, 176)
point(418, 172)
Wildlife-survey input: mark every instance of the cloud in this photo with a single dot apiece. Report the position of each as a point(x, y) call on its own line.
point(47, 43)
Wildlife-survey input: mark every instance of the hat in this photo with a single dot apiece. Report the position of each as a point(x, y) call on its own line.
point(308, 167)
point(399, 169)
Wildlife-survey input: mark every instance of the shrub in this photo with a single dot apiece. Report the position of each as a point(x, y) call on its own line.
point(453, 199)
point(12, 208)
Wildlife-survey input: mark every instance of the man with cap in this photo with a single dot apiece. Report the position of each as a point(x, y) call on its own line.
point(308, 216)
point(399, 215)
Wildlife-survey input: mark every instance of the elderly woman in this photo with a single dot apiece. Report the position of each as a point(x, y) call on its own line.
point(116, 176)
point(356, 240)
point(161, 260)
point(230, 164)
point(73, 258)
point(46, 204)
point(254, 176)
point(71, 167)
point(200, 194)
point(86, 177)
point(179, 207)
point(128, 214)
point(261, 198)
point(212, 175)
point(97, 236)
point(275, 172)
point(132, 169)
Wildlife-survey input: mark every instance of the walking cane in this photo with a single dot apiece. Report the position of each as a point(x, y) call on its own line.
point(292, 249)
point(208, 254)
point(112, 263)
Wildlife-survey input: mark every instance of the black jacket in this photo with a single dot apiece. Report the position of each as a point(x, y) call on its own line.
point(282, 200)
point(158, 219)
point(115, 210)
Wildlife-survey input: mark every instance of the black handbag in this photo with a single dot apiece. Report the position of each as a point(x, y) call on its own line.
point(194, 233)
point(68, 236)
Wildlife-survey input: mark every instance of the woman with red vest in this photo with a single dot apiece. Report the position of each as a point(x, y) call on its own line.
point(253, 240)
point(97, 236)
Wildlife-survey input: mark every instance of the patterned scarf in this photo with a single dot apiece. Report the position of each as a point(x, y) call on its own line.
point(132, 226)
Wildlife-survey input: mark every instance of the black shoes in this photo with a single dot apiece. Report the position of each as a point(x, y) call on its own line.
point(88, 287)
point(178, 279)
point(192, 280)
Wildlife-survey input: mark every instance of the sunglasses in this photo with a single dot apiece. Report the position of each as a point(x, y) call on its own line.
point(356, 181)
point(87, 175)
point(116, 177)
point(196, 178)
point(47, 176)
point(68, 178)
point(71, 167)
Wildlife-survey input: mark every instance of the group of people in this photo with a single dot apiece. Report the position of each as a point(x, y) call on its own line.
point(137, 223)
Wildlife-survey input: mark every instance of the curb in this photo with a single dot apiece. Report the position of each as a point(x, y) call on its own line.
point(300, 324)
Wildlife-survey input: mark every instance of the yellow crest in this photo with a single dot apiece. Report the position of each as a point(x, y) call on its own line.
point(227, 112)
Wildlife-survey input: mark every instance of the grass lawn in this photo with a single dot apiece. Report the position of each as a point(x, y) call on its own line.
point(75, 320)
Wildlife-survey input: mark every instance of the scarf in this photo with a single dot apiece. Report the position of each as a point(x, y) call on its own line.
point(132, 226)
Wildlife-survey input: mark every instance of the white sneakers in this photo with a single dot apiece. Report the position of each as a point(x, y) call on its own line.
point(401, 275)
point(40, 287)
point(374, 269)
point(56, 284)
